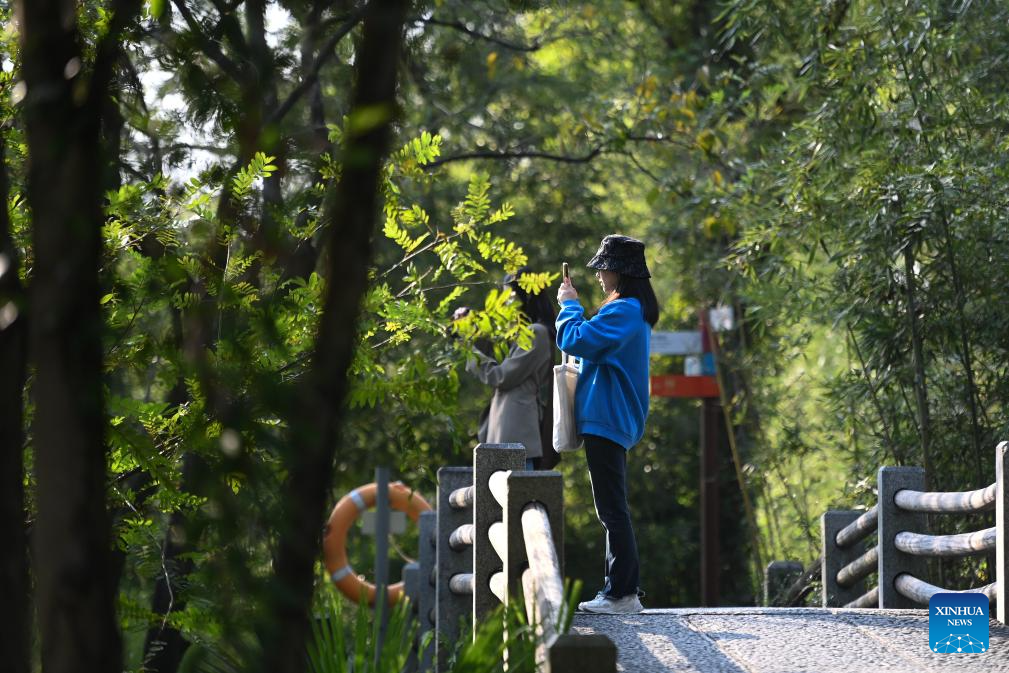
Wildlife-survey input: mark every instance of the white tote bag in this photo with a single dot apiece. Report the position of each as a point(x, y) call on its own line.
point(565, 431)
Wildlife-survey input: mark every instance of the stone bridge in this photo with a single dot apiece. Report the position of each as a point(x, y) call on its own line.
point(497, 537)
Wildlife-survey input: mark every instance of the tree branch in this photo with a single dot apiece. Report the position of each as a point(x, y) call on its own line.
point(325, 53)
point(672, 140)
point(213, 149)
point(315, 411)
point(108, 50)
point(209, 47)
point(230, 26)
point(601, 148)
point(634, 160)
point(521, 154)
point(649, 15)
point(461, 27)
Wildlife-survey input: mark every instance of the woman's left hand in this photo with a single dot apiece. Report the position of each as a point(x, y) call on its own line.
point(566, 291)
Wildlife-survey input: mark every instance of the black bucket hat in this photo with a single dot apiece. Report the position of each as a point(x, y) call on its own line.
point(621, 254)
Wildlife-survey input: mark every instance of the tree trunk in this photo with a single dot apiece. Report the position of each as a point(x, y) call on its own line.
point(15, 641)
point(351, 209)
point(301, 261)
point(965, 353)
point(918, 356)
point(165, 645)
point(75, 591)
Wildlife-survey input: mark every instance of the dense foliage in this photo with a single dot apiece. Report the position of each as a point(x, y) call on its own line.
point(871, 227)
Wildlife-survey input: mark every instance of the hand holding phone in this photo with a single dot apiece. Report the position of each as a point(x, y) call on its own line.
point(567, 290)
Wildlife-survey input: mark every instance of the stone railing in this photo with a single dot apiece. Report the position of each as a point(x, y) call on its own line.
point(496, 536)
point(898, 557)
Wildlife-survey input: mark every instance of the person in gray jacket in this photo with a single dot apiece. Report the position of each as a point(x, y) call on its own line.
point(515, 408)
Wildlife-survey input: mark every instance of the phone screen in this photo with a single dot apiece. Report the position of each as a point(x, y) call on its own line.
point(567, 273)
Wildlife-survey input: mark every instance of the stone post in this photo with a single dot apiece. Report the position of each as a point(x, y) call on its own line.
point(546, 488)
point(582, 654)
point(835, 558)
point(1002, 529)
point(893, 520)
point(488, 459)
point(450, 608)
point(778, 576)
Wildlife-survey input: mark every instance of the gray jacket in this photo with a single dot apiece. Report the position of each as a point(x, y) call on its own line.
point(514, 409)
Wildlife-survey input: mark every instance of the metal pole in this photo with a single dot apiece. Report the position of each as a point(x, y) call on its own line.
point(710, 551)
point(381, 553)
point(411, 587)
point(428, 578)
point(710, 548)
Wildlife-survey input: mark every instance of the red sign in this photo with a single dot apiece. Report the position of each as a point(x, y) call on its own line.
point(678, 385)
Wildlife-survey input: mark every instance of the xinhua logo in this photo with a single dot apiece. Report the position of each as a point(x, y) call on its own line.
point(958, 623)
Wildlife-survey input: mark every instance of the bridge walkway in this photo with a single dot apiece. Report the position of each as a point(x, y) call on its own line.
point(785, 640)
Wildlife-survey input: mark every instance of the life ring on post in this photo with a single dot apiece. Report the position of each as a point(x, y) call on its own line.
point(334, 543)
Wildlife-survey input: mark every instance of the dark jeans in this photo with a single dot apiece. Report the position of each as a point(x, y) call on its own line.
point(608, 471)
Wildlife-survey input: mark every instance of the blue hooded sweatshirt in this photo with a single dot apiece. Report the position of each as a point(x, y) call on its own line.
point(611, 399)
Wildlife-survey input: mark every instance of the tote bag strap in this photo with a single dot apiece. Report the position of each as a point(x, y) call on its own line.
point(571, 359)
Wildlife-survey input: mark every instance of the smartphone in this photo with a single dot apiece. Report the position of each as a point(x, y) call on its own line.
point(566, 271)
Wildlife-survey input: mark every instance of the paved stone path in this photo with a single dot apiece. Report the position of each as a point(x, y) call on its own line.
point(785, 640)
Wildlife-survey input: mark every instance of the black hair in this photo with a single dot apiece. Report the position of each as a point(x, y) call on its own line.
point(641, 289)
point(537, 307)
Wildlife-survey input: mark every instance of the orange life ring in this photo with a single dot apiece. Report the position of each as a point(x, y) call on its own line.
point(334, 543)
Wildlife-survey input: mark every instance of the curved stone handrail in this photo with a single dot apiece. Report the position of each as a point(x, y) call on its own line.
point(862, 566)
point(461, 498)
point(902, 546)
point(946, 502)
point(858, 529)
point(920, 591)
point(870, 599)
point(461, 537)
point(542, 583)
point(461, 584)
point(961, 544)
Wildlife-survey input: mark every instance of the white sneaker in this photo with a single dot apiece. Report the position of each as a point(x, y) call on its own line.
point(605, 605)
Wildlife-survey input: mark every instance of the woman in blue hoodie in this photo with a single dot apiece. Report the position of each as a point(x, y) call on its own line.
point(611, 400)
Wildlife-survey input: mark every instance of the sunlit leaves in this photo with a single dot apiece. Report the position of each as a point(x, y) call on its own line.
point(534, 283)
point(499, 318)
point(418, 152)
point(477, 203)
point(449, 300)
point(260, 167)
point(408, 218)
point(441, 260)
point(499, 250)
